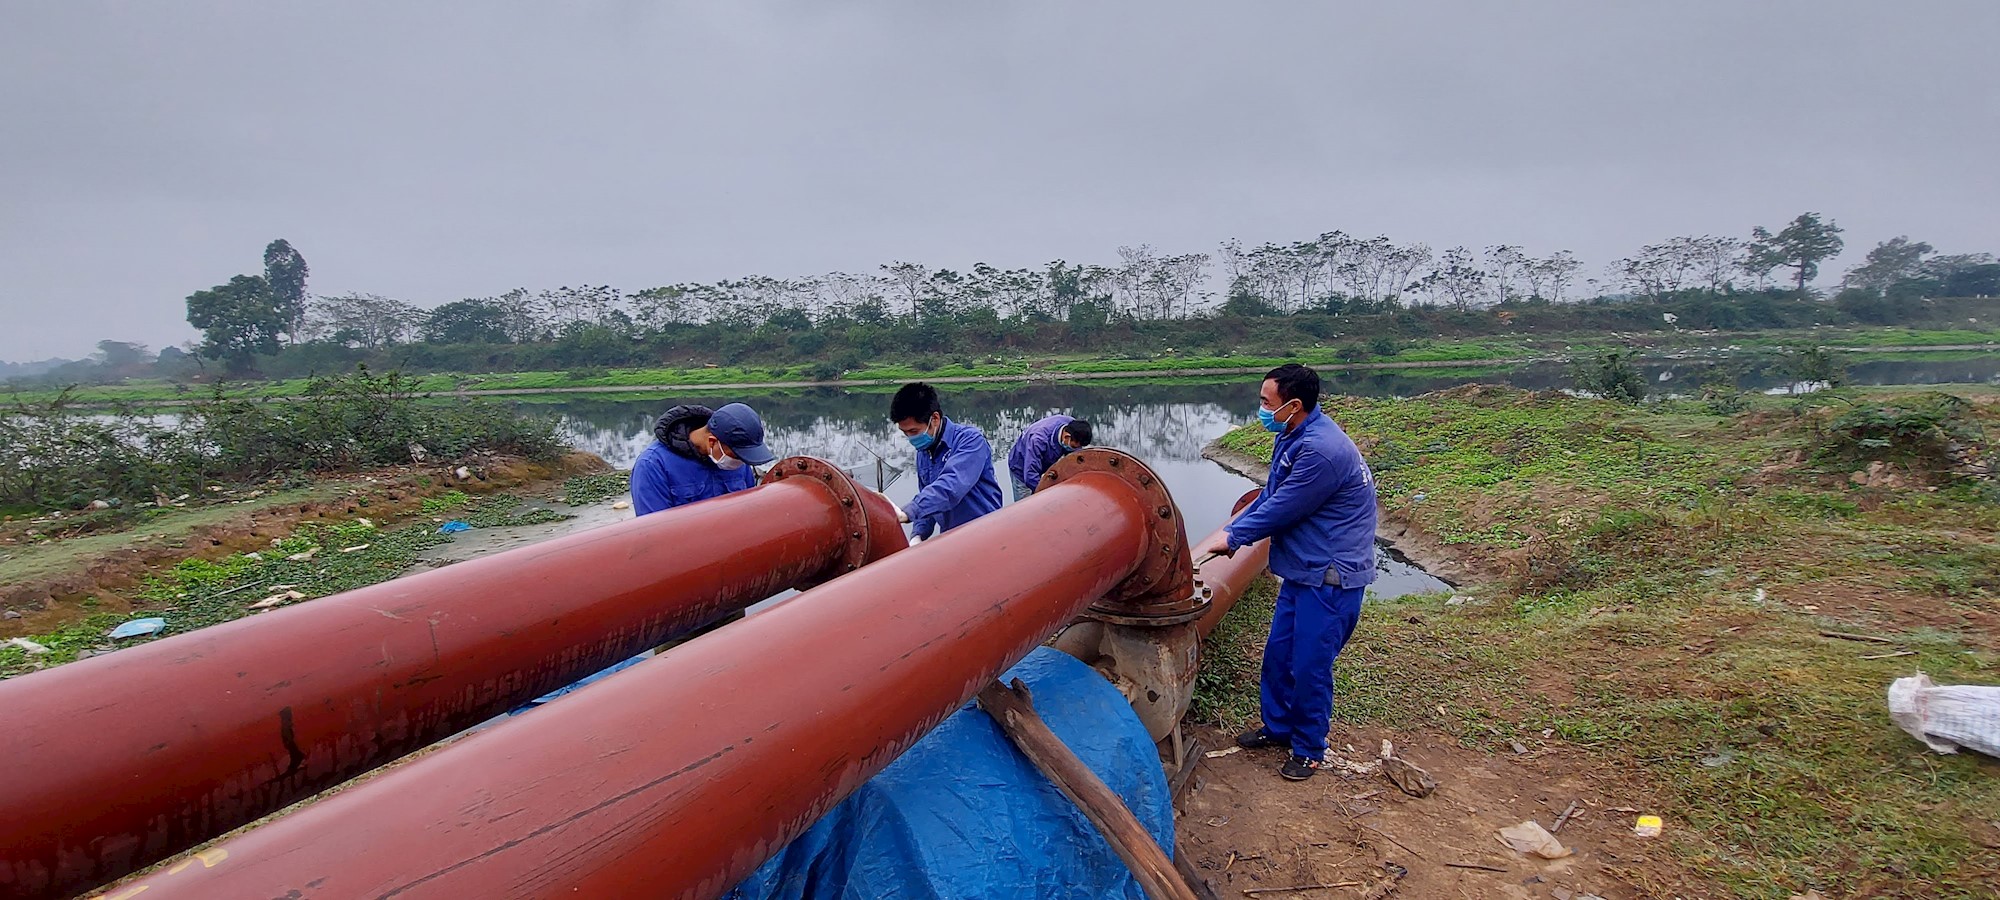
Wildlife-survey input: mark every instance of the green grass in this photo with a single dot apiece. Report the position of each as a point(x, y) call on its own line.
point(1625, 550)
point(1438, 351)
point(1909, 337)
point(332, 557)
point(1225, 685)
point(1336, 352)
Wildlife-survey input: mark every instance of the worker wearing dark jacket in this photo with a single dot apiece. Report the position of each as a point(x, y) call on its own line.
point(955, 482)
point(700, 453)
point(1318, 509)
point(1040, 446)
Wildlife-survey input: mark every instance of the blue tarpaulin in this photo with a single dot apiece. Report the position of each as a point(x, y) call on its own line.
point(964, 815)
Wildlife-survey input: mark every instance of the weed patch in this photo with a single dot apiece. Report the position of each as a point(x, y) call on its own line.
point(584, 490)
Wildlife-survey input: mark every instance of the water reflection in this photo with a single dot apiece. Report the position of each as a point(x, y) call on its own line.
point(1166, 425)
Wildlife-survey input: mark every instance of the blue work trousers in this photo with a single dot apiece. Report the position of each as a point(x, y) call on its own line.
point(1311, 624)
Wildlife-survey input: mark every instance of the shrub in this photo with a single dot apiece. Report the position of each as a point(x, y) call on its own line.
point(1610, 375)
point(56, 456)
point(1936, 430)
point(1813, 364)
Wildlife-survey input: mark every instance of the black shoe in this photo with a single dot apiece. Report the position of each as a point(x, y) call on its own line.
point(1256, 738)
point(1299, 768)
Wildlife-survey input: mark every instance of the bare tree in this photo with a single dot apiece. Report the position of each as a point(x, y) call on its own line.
point(1504, 264)
point(1716, 261)
point(362, 320)
point(1560, 268)
point(1364, 265)
point(1457, 279)
point(1401, 268)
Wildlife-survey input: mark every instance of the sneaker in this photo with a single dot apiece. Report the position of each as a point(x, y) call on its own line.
point(1256, 738)
point(1299, 768)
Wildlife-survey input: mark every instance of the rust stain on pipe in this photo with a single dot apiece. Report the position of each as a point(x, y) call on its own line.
point(681, 777)
point(115, 762)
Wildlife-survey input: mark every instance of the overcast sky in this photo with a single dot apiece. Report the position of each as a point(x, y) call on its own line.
point(433, 151)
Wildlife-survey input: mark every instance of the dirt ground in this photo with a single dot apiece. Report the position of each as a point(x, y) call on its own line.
point(1246, 829)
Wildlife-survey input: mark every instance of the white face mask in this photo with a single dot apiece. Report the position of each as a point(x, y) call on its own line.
point(725, 462)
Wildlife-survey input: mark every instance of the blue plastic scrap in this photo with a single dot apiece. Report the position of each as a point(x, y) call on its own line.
point(139, 627)
point(453, 527)
point(963, 814)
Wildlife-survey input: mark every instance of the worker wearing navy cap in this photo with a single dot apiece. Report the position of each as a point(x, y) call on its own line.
point(700, 453)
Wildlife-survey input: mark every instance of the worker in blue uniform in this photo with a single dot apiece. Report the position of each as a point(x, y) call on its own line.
point(955, 481)
point(1318, 509)
point(699, 453)
point(1040, 446)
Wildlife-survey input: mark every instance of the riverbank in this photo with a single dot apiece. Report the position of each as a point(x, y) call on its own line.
point(1659, 604)
point(69, 578)
point(1163, 363)
point(1392, 531)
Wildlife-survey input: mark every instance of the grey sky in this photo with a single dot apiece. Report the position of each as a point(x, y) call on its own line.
point(432, 151)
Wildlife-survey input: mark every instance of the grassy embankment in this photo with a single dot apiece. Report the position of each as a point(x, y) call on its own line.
point(315, 560)
point(1659, 586)
point(1418, 353)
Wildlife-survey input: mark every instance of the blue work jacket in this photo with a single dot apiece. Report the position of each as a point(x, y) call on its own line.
point(1037, 449)
point(1318, 508)
point(663, 479)
point(955, 482)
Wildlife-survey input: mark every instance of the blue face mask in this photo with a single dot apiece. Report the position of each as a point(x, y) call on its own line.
point(1269, 419)
point(921, 440)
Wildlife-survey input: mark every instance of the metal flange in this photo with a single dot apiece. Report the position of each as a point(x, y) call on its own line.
point(854, 513)
point(1160, 591)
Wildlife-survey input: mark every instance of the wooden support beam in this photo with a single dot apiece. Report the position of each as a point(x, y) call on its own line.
point(1014, 710)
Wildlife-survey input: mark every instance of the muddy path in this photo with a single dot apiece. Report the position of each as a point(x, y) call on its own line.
point(1242, 827)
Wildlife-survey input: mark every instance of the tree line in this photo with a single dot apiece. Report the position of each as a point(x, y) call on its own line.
point(1327, 287)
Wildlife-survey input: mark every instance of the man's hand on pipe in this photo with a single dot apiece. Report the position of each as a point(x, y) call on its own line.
point(901, 516)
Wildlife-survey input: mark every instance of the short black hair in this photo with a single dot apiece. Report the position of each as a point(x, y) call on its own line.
point(1295, 382)
point(1078, 431)
point(915, 400)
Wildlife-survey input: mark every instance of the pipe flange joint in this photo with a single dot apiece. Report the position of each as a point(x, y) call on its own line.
point(1157, 593)
point(854, 549)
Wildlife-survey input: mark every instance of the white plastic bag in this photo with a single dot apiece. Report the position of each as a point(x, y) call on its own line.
point(1531, 838)
point(1947, 717)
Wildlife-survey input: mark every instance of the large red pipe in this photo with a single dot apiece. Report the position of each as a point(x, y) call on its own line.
point(120, 760)
point(1226, 578)
point(682, 776)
